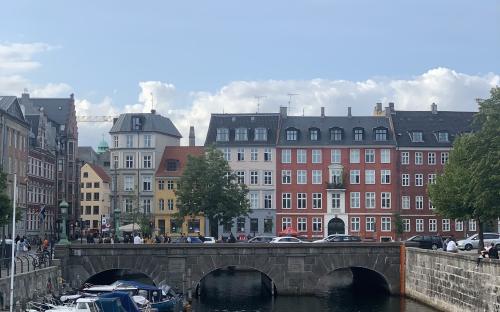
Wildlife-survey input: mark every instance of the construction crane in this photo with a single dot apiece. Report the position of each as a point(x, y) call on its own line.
point(95, 118)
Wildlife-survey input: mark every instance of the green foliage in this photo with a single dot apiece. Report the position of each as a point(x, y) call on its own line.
point(398, 224)
point(5, 203)
point(209, 187)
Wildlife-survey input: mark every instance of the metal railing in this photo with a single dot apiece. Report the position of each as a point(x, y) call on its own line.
point(27, 262)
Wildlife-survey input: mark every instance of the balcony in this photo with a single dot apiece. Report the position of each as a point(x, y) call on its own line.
point(335, 186)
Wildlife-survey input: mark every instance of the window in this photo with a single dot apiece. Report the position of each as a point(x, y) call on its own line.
point(268, 154)
point(381, 134)
point(146, 183)
point(286, 176)
point(161, 184)
point(268, 177)
point(385, 200)
point(336, 201)
point(314, 134)
point(316, 156)
point(241, 154)
point(240, 175)
point(335, 156)
point(260, 134)
point(385, 176)
point(175, 226)
point(355, 197)
point(222, 135)
point(136, 123)
point(369, 156)
point(85, 174)
point(301, 224)
point(370, 224)
point(129, 161)
point(406, 225)
point(385, 156)
point(336, 134)
point(432, 225)
point(88, 210)
point(226, 153)
point(147, 140)
point(115, 141)
point(472, 225)
point(161, 204)
point(170, 184)
point(354, 156)
point(417, 136)
point(301, 156)
point(431, 158)
point(128, 183)
point(130, 141)
point(254, 225)
point(96, 196)
point(405, 202)
point(96, 184)
point(286, 222)
point(301, 176)
point(444, 157)
point(370, 200)
point(405, 158)
point(459, 225)
point(419, 159)
point(354, 177)
point(147, 161)
point(419, 179)
point(170, 204)
point(268, 225)
point(254, 154)
point(446, 225)
point(291, 135)
point(442, 136)
point(358, 134)
point(317, 224)
point(301, 200)
point(419, 225)
point(241, 134)
point(240, 225)
point(431, 178)
point(317, 177)
point(369, 176)
point(268, 201)
point(355, 222)
point(286, 200)
point(88, 196)
point(128, 205)
point(286, 156)
point(419, 202)
point(405, 179)
point(386, 224)
point(254, 200)
point(317, 200)
point(254, 177)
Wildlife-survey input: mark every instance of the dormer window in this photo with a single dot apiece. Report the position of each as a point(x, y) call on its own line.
point(381, 134)
point(358, 134)
point(336, 134)
point(314, 134)
point(292, 134)
point(417, 136)
point(172, 164)
point(260, 134)
point(442, 136)
point(241, 134)
point(136, 123)
point(222, 135)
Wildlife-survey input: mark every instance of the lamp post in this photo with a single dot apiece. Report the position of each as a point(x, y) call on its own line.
point(63, 206)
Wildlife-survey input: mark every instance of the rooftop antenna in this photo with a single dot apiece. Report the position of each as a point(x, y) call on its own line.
point(291, 95)
point(258, 97)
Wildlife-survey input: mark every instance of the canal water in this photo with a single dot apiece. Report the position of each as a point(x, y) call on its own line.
point(242, 291)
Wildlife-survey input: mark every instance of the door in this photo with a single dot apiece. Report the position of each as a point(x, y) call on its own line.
point(336, 226)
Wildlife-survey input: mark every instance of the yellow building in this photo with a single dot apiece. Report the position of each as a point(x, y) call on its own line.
point(169, 171)
point(94, 198)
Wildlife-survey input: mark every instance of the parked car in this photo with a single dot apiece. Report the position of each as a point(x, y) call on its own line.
point(285, 240)
point(187, 240)
point(473, 242)
point(337, 238)
point(209, 240)
point(426, 241)
point(261, 239)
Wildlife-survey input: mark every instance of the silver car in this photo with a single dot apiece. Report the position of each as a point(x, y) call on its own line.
point(473, 242)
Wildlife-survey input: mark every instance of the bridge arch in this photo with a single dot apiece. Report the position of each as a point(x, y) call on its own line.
point(109, 276)
point(357, 277)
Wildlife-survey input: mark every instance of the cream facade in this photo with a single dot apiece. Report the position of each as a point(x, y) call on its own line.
point(94, 198)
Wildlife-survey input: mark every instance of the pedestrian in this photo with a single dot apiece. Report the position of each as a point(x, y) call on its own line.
point(137, 239)
point(445, 243)
point(452, 246)
point(493, 252)
point(231, 239)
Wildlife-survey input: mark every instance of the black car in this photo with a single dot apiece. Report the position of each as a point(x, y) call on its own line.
point(425, 241)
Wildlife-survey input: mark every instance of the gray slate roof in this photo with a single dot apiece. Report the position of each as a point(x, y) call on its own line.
point(56, 109)
point(11, 106)
point(6, 102)
point(151, 123)
point(324, 124)
point(454, 123)
point(249, 121)
point(33, 120)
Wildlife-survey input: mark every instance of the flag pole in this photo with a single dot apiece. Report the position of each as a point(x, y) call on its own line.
point(13, 260)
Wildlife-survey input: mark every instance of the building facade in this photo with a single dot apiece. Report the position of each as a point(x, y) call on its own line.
point(167, 176)
point(248, 143)
point(95, 198)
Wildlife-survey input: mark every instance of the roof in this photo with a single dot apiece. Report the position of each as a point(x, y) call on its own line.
point(100, 172)
point(250, 121)
point(56, 109)
point(429, 124)
point(179, 154)
point(150, 123)
point(33, 120)
point(324, 123)
point(6, 102)
point(11, 106)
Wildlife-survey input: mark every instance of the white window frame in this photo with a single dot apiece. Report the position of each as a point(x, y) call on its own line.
point(301, 176)
point(354, 156)
point(370, 200)
point(370, 176)
point(317, 177)
point(355, 200)
point(301, 156)
point(316, 156)
point(385, 156)
point(336, 156)
point(286, 156)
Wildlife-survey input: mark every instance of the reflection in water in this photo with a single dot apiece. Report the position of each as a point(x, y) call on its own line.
point(240, 291)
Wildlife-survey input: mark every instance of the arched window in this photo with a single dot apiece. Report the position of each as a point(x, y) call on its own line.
point(292, 134)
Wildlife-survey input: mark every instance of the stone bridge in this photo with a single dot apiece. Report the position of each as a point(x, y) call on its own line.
point(291, 268)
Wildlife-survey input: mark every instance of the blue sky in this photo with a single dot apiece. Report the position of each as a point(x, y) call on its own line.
point(197, 50)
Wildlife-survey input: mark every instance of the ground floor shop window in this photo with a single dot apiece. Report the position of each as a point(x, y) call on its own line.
point(268, 225)
point(161, 226)
point(175, 226)
point(193, 225)
point(240, 225)
point(254, 225)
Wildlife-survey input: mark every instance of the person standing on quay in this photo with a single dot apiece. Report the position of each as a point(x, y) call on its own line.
point(493, 252)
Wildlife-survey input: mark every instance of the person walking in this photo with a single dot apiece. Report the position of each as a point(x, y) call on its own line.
point(452, 246)
point(493, 252)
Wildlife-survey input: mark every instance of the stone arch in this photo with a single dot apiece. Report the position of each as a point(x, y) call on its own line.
point(109, 274)
point(361, 278)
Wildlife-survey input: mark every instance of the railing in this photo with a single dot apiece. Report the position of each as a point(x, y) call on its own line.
point(335, 186)
point(27, 262)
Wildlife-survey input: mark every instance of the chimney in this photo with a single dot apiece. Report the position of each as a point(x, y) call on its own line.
point(72, 96)
point(391, 107)
point(349, 114)
point(153, 111)
point(283, 112)
point(377, 110)
point(434, 108)
point(191, 136)
point(25, 95)
point(322, 111)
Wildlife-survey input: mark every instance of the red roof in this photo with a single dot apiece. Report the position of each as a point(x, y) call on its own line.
point(180, 155)
point(100, 172)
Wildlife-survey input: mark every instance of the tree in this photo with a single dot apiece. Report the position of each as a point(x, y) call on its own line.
point(5, 204)
point(209, 187)
point(470, 184)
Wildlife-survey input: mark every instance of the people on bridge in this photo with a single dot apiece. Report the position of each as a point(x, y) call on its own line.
point(493, 252)
point(451, 246)
point(231, 238)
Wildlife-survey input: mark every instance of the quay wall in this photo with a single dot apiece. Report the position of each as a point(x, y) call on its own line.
point(29, 285)
point(452, 282)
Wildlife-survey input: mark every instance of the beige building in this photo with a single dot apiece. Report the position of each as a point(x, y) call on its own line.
point(95, 198)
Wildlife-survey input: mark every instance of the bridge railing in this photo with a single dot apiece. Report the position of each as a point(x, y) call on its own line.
point(24, 263)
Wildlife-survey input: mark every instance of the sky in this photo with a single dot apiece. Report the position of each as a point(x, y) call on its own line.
point(189, 59)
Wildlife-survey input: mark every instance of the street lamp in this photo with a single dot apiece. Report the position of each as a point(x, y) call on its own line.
point(63, 206)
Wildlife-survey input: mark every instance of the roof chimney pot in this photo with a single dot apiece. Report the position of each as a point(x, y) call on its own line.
point(434, 108)
point(322, 111)
point(191, 136)
point(153, 111)
point(349, 113)
point(283, 111)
